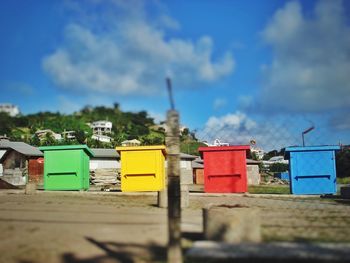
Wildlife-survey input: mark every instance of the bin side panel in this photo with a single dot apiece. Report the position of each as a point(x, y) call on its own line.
point(225, 172)
point(142, 171)
point(63, 170)
point(313, 172)
point(86, 172)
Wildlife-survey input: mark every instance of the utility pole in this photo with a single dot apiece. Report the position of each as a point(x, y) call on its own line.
point(174, 193)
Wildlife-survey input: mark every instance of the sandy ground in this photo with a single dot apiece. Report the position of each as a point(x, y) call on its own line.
point(83, 227)
point(113, 227)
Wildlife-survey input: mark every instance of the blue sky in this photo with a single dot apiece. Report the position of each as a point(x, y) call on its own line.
point(241, 70)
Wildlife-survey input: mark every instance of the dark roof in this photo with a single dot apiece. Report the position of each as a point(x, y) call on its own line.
point(105, 153)
point(196, 165)
point(199, 160)
point(21, 147)
point(185, 156)
point(112, 153)
point(251, 161)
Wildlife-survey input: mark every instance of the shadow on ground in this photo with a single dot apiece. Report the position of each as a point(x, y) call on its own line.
point(120, 252)
point(337, 199)
point(192, 236)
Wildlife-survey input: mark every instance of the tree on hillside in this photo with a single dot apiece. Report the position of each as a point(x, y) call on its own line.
point(6, 124)
point(343, 162)
point(125, 126)
point(35, 141)
point(48, 140)
point(191, 147)
point(273, 153)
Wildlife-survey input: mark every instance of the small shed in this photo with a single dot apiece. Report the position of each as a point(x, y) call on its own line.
point(66, 167)
point(312, 169)
point(21, 163)
point(198, 170)
point(143, 168)
point(186, 172)
point(253, 172)
point(105, 167)
point(104, 159)
point(225, 169)
point(2, 152)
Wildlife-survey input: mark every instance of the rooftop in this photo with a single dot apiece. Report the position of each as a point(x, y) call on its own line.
point(20, 147)
point(105, 153)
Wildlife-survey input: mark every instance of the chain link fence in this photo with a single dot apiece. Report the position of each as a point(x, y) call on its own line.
point(299, 188)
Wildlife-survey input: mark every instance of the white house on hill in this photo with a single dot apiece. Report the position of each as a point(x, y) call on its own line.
point(10, 109)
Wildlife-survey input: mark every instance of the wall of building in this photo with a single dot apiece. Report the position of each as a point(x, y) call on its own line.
point(199, 175)
point(186, 173)
point(253, 174)
point(2, 152)
point(36, 170)
point(107, 163)
point(104, 164)
point(15, 169)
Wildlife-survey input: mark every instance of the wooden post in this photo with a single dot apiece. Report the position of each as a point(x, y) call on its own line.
point(174, 194)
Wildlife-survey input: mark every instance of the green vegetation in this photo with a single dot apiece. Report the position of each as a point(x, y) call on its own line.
point(343, 162)
point(126, 126)
point(344, 180)
point(268, 189)
point(191, 147)
point(273, 153)
point(278, 167)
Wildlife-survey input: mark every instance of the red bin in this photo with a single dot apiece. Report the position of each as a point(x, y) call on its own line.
point(225, 169)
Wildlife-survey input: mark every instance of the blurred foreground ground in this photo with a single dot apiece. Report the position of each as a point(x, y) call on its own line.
point(115, 227)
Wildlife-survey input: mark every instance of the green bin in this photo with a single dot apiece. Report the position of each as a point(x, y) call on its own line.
point(66, 167)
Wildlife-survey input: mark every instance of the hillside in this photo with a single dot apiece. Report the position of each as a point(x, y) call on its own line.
point(125, 126)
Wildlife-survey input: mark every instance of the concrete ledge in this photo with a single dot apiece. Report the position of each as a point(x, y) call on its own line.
point(98, 192)
point(232, 224)
point(209, 251)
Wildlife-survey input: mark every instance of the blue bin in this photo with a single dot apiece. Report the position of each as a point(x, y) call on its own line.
point(283, 176)
point(312, 169)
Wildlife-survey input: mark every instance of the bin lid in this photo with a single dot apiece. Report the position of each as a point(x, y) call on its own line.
point(141, 148)
point(223, 148)
point(310, 148)
point(313, 148)
point(68, 147)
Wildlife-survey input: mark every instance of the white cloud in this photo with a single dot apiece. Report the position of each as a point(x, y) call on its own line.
point(169, 22)
point(157, 116)
point(238, 128)
point(238, 121)
point(227, 128)
point(219, 103)
point(311, 61)
point(130, 54)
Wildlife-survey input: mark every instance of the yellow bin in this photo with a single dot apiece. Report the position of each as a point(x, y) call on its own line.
point(142, 168)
